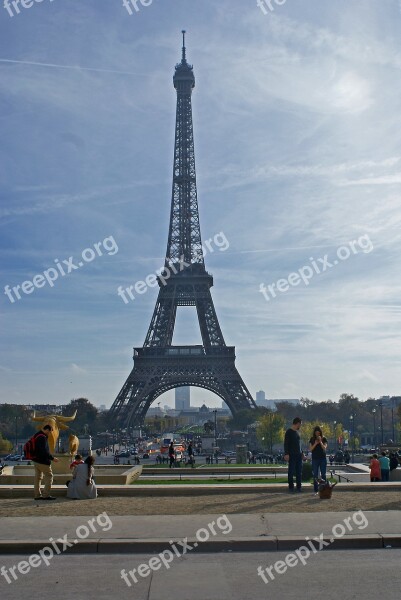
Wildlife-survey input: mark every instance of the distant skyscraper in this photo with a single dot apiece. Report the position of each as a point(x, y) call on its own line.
point(182, 398)
point(260, 398)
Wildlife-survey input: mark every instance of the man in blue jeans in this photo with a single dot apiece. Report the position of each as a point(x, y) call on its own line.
point(293, 454)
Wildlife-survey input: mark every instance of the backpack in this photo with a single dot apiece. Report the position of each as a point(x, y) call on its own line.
point(30, 447)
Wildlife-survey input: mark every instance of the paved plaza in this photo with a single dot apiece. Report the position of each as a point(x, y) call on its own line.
point(362, 574)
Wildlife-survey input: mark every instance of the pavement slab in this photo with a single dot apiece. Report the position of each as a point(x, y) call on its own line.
point(225, 576)
point(209, 533)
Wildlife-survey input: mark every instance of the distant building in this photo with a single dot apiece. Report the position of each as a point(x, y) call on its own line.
point(182, 398)
point(102, 407)
point(390, 401)
point(260, 398)
point(155, 411)
point(53, 409)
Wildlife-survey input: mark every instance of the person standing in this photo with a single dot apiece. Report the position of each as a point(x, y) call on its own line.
point(293, 454)
point(318, 447)
point(42, 463)
point(190, 452)
point(375, 473)
point(393, 461)
point(171, 454)
point(384, 466)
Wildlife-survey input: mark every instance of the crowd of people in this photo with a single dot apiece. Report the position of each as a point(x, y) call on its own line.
point(82, 484)
point(380, 467)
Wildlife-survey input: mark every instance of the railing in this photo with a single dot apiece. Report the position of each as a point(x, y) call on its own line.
point(185, 351)
point(334, 474)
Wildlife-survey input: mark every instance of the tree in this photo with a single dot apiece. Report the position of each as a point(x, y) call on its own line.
point(208, 427)
point(270, 429)
point(348, 404)
point(5, 445)
point(245, 417)
point(15, 420)
point(86, 415)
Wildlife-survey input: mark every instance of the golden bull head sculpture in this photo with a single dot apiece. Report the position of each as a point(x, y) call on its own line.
point(57, 422)
point(73, 444)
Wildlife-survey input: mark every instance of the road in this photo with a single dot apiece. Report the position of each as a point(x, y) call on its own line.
point(351, 574)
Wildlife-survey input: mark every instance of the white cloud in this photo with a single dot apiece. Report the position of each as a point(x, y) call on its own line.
point(77, 370)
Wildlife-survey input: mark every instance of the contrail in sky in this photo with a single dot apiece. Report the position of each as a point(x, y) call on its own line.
point(76, 68)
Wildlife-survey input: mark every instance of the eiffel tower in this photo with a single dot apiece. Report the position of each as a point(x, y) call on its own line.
point(158, 365)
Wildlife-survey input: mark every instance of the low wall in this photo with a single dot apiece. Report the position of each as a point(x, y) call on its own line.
point(107, 475)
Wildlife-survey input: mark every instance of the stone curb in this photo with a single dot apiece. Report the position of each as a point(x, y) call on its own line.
point(25, 491)
point(250, 544)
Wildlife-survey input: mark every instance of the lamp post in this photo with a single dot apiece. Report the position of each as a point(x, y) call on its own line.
point(392, 420)
point(381, 421)
point(16, 435)
point(160, 418)
point(352, 419)
point(374, 428)
point(335, 436)
point(215, 426)
point(271, 433)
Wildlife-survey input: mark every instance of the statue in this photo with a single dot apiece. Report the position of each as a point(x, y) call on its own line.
point(74, 444)
point(57, 422)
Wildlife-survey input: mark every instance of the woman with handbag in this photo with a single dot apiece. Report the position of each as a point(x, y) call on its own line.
point(318, 447)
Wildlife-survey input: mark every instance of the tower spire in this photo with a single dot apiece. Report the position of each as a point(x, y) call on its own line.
point(184, 58)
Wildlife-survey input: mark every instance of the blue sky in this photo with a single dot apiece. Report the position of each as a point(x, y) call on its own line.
point(296, 117)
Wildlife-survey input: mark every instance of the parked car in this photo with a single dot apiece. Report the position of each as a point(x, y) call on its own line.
point(146, 455)
point(123, 454)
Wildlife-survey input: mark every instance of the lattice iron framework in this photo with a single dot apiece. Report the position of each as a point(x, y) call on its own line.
point(158, 365)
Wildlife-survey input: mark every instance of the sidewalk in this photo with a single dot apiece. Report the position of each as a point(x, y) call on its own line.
point(249, 532)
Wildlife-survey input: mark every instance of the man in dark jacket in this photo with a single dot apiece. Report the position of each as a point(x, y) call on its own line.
point(42, 464)
point(293, 454)
point(190, 452)
point(171, 454)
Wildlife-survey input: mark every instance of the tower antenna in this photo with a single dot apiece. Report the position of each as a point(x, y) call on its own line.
point(184, 58)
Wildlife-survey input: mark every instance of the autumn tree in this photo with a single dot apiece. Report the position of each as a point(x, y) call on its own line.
point(270, 429)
